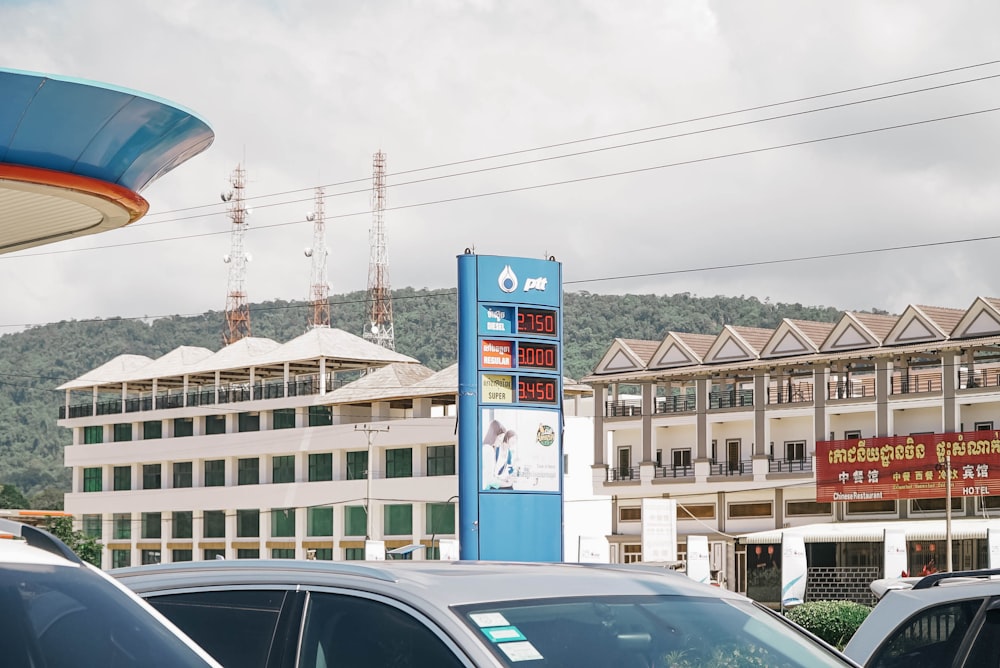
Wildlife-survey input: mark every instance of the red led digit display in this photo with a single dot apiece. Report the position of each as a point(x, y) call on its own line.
point(539, 321)
point(537, 355)
point(537, 390)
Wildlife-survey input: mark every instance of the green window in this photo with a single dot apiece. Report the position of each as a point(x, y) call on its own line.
point(152, 429)
point(283, 469)
point(181, 555)
point(122, 526)
point(215, 473)
point(323, 554)
point(149, 557)
point(212, 553)
point(354, 554)
point(182, 474)
point(183, 427)
point(122, 432)
point(248, 553)
point(92, 527)
point(93, 434)
point(441, 460)
point(320, 416)
point(282, 553)
point(121, 558)
point(248, 421)
point(183, 523)
point(283, 523)
point(151, 476)
point(283, 418)
point(440, 518)
point(92, 481)
point(151, 525)
point(319, 521)
point(123, 478)
point(357, 464)
point(214, 524)
point(399, 463)
point(249, 471)
point(398, 519)
point(321, 467)
point(215, 424)
point(355, 521)
point(248, 523)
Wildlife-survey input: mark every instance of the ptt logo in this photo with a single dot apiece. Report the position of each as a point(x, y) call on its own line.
point(536, 284)
point(507, 280)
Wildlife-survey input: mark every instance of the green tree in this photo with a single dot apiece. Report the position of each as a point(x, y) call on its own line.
point(11, 497)
point(86, 548)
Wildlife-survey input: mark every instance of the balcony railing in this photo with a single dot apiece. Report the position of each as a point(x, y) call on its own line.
point(624, 408)
point(741, 467)
point(678, 403)
point(913, 383)
point(730, 398)
point(790, 465)
point(855, 389)
point(796, 393)
point(673, 471)
point(979, 378)
point(623, 473)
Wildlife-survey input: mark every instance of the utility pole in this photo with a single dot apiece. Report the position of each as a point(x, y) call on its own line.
point(947, 513)
point(237, 308)
point(370, 431)
point(378, 303)
point(319, 290)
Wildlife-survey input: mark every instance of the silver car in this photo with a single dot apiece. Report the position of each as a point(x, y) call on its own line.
point(56, 610)
point(319, 614)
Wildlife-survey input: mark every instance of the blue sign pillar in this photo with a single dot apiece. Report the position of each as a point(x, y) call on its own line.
point(510, 408)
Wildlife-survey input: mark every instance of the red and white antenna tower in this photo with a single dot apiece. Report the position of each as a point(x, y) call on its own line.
point(378, 304)
point(237, 309)
point(319, 292)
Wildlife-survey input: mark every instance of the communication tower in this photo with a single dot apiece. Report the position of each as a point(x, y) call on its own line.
point(237, 308)
point(378, 304)
point(319, 292)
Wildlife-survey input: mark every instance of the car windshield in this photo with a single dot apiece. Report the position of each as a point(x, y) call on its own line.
point(70, 616)
point(642, 631)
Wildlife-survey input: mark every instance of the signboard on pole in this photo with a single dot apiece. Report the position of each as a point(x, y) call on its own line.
point(699, 567)
point(793, 570)
point(895, 554)
point(659, 530)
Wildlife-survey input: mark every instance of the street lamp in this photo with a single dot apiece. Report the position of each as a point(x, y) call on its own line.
point(947, 510)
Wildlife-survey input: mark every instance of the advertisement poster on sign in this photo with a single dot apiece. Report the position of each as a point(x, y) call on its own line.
point(908, 467)
point(520, 450)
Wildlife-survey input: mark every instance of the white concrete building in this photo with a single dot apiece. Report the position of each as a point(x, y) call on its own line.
point(262, 449)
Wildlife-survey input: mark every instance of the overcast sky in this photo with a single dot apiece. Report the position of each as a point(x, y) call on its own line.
point(303, 93)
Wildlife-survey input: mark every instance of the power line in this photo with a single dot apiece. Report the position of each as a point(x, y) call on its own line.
point(621, 133)
point(563, 156)
point(539, 186)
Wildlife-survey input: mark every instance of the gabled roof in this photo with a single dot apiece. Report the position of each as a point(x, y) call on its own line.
point(981, 319)
point(111, 371)
point(626, 355)
point(244, 353)
point(857, 330)
point(736, 344)
point(335, 345)
point(796, 337)
point(920, 324)
point(681, 350)
point(389, 382)
point(175, 363)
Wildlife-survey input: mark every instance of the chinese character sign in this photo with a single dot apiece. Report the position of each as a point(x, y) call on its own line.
point(908, 467)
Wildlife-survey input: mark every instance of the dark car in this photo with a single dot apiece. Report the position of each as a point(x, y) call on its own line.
point(319, 614)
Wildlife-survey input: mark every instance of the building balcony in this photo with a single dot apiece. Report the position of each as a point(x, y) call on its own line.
point(730, 468)
point(623, 474)
point(673, 472)
point(804, 465)
point(678, 403)
point(623, 408)
point(796, 393)
point(730, 399)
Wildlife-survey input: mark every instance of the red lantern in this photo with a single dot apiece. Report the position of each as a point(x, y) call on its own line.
point(757, 550)
point(918, 547)
point(932, 547)
point(770, 549)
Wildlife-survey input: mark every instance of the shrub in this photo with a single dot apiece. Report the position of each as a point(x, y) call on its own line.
point(833, 621)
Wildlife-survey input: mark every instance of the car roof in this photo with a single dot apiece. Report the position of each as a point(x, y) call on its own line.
point(897, 605)
point(446, 583)
point(15, 551)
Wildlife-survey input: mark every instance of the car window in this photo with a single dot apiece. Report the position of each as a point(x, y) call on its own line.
point(985, 651)
point(650, 631)
point(70, 616)
point(930, 638)
point(236, 627)
point(343, 631)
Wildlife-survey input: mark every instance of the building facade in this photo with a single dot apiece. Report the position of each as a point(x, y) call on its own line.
point(262, 450)
point(729, 426)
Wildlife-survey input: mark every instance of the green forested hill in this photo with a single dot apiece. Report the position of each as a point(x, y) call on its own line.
point(33, 362)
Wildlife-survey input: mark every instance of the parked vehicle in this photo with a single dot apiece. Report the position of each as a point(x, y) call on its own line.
point(941, 620)
point(284, 614)
point(56, 610)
